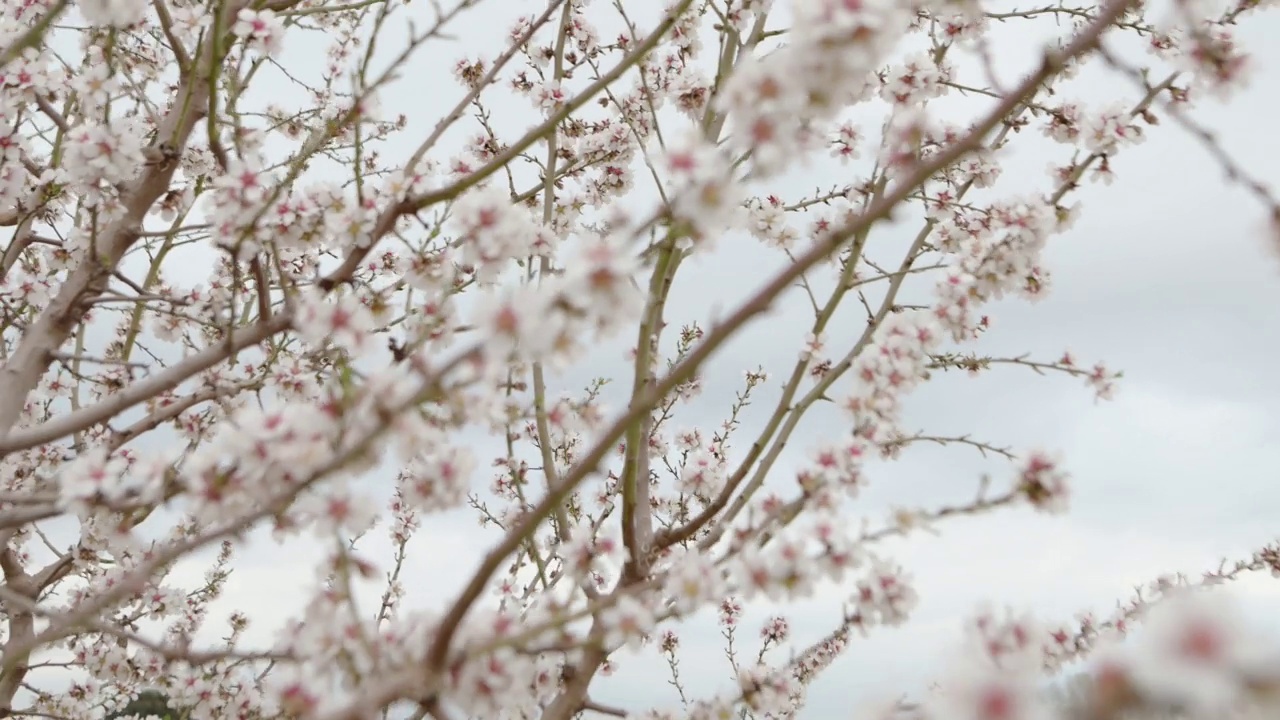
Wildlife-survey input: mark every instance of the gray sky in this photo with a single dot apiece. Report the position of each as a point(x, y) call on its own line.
point(1166, 276)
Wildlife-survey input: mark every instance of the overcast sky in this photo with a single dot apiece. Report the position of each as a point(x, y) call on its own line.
point(1166, 276)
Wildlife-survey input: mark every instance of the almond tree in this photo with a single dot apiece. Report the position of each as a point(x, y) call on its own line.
point(228, 300)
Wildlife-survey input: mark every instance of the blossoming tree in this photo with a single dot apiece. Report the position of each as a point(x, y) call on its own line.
point(224, 310)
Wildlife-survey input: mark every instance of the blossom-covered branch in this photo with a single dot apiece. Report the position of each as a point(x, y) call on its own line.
point(262, 287)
